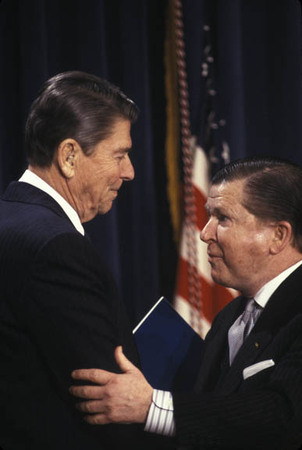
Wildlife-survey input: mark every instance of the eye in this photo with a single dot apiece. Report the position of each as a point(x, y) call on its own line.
point(122, 156)
point(222, 218)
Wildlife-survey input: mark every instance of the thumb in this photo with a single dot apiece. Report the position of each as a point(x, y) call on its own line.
point(124, 363)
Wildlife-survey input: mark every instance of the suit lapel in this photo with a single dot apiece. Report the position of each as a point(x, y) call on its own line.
point(283, 306)
point(214, 353)
point(247, 355)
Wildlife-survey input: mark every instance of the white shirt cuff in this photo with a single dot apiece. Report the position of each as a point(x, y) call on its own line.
point(160, 419)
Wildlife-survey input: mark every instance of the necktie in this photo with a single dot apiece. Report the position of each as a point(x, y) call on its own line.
point(242, 327)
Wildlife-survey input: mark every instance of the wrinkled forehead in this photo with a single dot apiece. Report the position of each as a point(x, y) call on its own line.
point(226, 194)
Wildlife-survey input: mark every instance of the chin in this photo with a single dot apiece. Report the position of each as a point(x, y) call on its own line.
point(104, 209)
point(218, 278)
point(222, 281)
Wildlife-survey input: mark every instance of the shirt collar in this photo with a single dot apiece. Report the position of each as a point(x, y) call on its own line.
point(33, 179)
point(269, 288)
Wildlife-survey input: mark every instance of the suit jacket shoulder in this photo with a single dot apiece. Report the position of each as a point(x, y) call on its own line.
point(263, 403)
point(60, 310)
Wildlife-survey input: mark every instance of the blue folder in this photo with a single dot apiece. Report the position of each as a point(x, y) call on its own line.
point(170, 350)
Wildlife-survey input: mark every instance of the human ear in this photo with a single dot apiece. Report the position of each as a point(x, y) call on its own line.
point(67, 156)
point(282, 237)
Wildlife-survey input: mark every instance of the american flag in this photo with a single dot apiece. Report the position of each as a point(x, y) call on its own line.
point(197, 298)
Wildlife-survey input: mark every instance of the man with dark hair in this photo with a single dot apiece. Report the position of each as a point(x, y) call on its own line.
point(59, 304)
point(249, 390)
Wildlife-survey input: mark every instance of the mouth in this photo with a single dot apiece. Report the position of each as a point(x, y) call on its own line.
point(116, 189)
point(214, 256)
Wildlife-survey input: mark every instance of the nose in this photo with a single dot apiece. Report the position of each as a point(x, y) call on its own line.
point(208, 233)
point(127, 169)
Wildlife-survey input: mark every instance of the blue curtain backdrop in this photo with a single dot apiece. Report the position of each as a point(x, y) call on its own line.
point(257, 107)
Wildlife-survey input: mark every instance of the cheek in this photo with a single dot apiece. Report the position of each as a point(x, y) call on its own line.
point(252, 253)
point(114, 181)
point(108, 174)
point(260, 242)
point(239, 248)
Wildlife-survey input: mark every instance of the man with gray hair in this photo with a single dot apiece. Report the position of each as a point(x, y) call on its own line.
point(59, 304)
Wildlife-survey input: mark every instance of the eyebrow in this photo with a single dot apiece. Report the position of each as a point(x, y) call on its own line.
point(123, 150)
point(216, 210)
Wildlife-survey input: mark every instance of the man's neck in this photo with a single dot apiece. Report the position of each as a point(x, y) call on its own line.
point(275, 267)
point(54, 178)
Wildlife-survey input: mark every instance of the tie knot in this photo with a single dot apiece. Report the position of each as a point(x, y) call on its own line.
point(250, 315)
point(249, 309)
point(250, 306)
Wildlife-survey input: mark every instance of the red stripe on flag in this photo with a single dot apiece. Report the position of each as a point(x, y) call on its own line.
point(213, 296)
point(222, 296)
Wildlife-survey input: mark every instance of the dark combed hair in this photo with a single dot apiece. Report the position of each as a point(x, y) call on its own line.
point(74, 105)
point(272, 189)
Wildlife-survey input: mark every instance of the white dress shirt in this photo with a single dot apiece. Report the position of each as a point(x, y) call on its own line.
point(264, 294)
point(160, 418)
point(33, 179)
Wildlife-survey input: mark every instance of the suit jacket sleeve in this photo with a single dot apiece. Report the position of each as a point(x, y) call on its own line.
point(72, 310)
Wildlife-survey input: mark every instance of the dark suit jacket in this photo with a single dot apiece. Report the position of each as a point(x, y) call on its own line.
point(263, 411)
point(59, 310)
